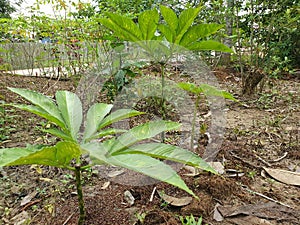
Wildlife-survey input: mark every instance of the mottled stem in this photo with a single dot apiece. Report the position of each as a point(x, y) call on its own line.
point(80, 196)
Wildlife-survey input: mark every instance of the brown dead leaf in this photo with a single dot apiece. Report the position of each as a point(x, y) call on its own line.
point(250, 220)
point(175, 201)
point(269, 210)
point(284, 176)
point(105, 185)
point(21, 218)
point(217, 215)
point(28, 198)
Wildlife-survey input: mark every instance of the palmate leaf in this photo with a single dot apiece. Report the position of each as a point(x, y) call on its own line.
point(167, 32)
point(58, 133)
point(9, 155)
point(209, 90)
point(106, 132)
point(170, 152)
point(159, 51)
point(196, 32)
point(59, 155)
point(142, 132)
point(190, 87)
point(206, 89)
point(71, 109)
point(117, 116)
point(185, 20)
point(148, 21)
point(95, 115)
point(209, 45)
point(45, 106)
point(170, 17)
point(122, 26)
point(170, 28)
point(40, 112)
point(141, 164)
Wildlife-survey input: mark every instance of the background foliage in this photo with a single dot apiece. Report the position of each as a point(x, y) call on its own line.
point(264, 34)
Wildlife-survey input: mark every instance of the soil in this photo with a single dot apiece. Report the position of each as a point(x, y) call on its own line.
point(262, 131)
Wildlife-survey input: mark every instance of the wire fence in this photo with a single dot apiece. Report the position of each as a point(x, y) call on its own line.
point(62, 59)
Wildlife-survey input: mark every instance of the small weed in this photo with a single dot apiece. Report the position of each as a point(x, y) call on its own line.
point(265, 101)
point(252, 174)
point(34, 207)
point(5, 118)
point(67, 178)
point(190, 220)
point(41, 191)
point(275, 121)
point(164, 204)
point(141, 217)
point(240, 132)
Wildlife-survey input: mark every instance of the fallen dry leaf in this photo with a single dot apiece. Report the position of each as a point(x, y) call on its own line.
point(217, 215)
point(269, 210)
point(217, 166)
point(284, 176)
point(129, 198)
point(21, 218)
point(193, 172)
point(250, 220)
point(105, 185)
point(28, 198)
point(175, 201)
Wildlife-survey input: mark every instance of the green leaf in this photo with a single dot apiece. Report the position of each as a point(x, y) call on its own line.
point(196, 32)
point(95, 115)
point(170, 152)
point(206, 89)
point(190, 87)
point(43, 102)
point(148, 21)
point(209, 45)
point(106, 132)
point(142, 132)
point(123, 27)
point(58, 133)
point(167, 32)
point(158, 51)
point(171, 19)
point(142, 164)
point(9, 155)
point(117, 116)
point(98, 151)
point(71, 109)
point(185, 20)
point(59, 155)
point(209, 90)
point(40, 112)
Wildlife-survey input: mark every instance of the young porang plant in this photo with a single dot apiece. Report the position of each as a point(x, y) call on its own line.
point(123, 150)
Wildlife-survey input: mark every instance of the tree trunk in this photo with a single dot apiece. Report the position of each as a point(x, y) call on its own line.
point(251, 82)
point(225, 60)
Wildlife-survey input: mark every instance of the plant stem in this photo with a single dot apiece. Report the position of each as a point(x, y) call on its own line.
point(194, 121)
point(163, 103)
point(80, 195)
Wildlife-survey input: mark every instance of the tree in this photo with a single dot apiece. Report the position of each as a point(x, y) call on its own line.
point(229, 26)
point(7, 7)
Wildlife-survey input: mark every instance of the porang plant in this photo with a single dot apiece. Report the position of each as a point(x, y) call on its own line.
point(94, 136)
point(180, 30)
point(161, 40)
point(206, 90)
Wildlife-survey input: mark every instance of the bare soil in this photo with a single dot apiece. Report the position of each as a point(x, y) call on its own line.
point(262, 132)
